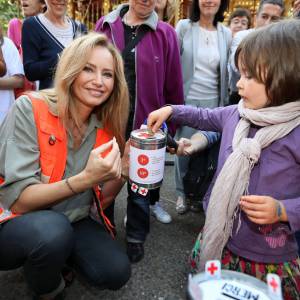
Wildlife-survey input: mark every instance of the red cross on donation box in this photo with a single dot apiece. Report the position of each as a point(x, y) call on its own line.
point(143, 191)
point(274, 286)
point(213, 269)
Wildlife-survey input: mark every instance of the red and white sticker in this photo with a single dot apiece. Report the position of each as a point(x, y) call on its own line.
point(134, 187)
point(143, 191)
point(274, 286)
point(143, 159)
point(146, 166)
point(213, 269)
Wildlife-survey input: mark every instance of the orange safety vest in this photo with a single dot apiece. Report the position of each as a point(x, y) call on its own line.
point(52, 139)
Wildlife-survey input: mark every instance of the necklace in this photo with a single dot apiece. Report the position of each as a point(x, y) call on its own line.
point(132, 27)
point(205, 36)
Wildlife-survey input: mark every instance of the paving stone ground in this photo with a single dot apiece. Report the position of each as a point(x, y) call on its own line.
point(162, 274)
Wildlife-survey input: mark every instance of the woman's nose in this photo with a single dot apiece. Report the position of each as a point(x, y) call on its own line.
point(98, 79)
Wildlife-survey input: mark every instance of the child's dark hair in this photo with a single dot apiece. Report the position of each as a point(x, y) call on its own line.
point(270, 55)
point(241, 12)
point(219, 17)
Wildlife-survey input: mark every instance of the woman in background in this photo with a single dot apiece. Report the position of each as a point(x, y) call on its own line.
point(204, 45)
point(14, 32)
point(43, 39)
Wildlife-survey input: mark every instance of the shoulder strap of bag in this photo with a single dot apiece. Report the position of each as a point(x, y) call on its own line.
point(142, 30)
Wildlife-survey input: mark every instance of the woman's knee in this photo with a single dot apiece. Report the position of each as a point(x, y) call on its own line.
point(119, 273)
point(52, 234)
point(114, 275)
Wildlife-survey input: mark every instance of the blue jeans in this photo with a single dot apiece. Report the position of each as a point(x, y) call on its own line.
point(43, 241)
point(138, 214)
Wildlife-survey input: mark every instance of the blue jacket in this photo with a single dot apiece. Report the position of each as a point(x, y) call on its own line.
point(41, 50)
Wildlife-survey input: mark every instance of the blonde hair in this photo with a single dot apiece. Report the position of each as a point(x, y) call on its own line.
point(113, 113)
point(169, 12)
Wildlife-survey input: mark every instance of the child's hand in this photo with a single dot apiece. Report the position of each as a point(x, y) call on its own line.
point(263, 209)
point(157, 117)
point(125, 161)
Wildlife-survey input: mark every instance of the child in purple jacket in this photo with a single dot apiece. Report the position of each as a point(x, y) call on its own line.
point(254, 202)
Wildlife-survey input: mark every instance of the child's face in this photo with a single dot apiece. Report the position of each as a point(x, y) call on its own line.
point(252, 92)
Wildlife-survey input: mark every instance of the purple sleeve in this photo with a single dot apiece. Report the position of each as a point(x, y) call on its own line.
point(173, 87)
point(201, 118)
point(292, 207)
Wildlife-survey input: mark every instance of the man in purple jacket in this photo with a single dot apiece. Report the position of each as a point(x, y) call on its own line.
point(154, 78)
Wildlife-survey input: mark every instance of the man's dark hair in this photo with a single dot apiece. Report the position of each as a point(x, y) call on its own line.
point(219, 17)
point(241, 12)
point(280, 3)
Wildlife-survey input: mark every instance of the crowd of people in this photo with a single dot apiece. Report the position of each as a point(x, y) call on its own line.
point(69, 100)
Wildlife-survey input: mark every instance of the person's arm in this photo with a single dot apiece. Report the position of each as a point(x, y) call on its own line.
point(195, 117)
point(22, 189)
point(296, 9)
point(13, 82)
point(180, 30)
point(36, 68)
point(2, 64)
point(198, 142)
point(15, 72)
point(98, 170)
point(234, 45)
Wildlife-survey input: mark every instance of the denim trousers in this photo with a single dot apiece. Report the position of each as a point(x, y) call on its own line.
point(43, 242)
point(138, 214)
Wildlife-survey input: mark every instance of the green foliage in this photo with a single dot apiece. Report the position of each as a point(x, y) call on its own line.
point(8, 11)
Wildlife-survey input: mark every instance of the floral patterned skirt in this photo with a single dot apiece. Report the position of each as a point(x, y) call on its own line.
point(289, 272)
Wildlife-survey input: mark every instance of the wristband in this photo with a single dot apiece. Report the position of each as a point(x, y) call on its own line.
point(70, 187)
point(278, 209)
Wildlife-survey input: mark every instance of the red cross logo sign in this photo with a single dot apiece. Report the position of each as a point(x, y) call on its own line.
point(143, 159)
point(134, 187)
point(142, 173)
point(212, 268)
point(274, 284)
point(143, 191)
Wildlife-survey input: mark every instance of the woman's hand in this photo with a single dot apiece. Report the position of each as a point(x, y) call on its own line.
point(100, 169)
point(263, 209)
point(125, 161)
point(157, 117)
